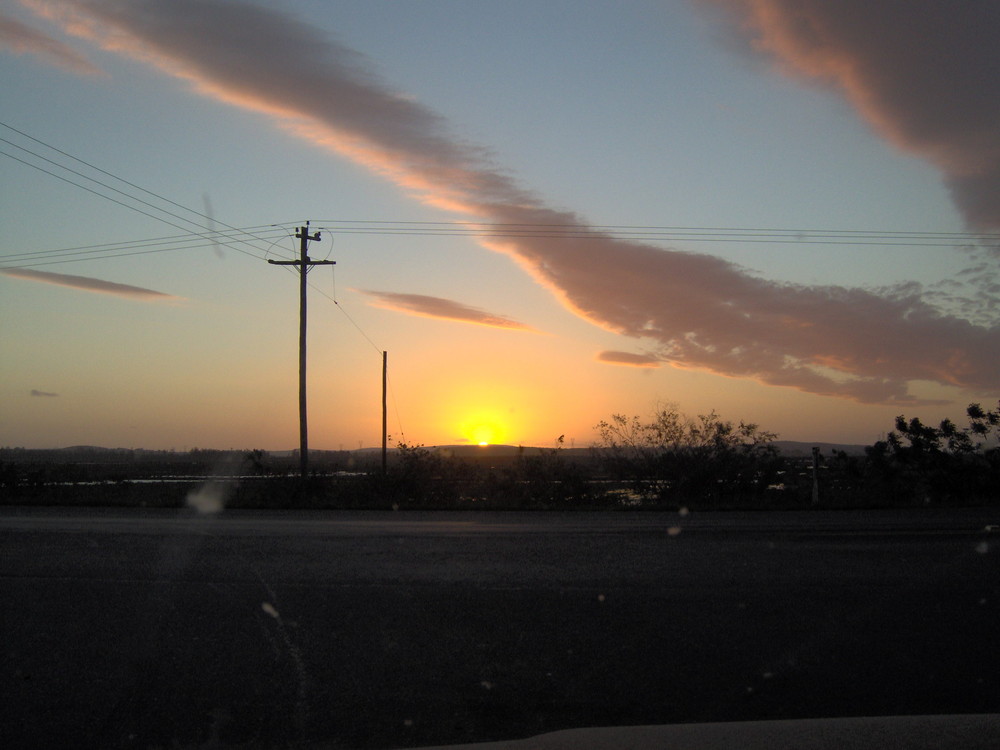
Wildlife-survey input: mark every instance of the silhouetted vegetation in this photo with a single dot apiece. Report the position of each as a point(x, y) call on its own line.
point(674, 460)
point(669, 461)
point(919, 464)
point(490, 477)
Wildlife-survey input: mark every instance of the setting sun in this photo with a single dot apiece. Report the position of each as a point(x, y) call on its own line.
point(478, 410)
point(483, 426)
point(482, 430)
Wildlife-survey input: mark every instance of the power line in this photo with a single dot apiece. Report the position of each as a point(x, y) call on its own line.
point(201, 231)
point(92, 179)
point(552, 225)
point(125, 249)
point(479, 229)
point(274, 233)
point(95, 192)
point(656, 233)
point(115, 200)
point(349, 318)
point(474, 225)
point(152, 241)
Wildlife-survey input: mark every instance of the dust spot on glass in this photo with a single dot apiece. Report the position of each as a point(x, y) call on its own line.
point(209, 499)
point(269, 608)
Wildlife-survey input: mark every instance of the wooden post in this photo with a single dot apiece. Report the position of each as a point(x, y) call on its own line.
point(384, 434)
point(815, 492)
point(304, 264)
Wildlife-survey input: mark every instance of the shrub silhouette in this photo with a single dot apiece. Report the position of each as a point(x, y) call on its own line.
point(673, 458)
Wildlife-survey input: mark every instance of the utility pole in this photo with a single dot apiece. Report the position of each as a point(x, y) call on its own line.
point(384, 436)
point(815, 494)
point(304, 263)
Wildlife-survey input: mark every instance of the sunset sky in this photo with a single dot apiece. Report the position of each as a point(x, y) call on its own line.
point(787, 211)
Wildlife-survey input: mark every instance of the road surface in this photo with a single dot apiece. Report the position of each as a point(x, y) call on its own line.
point(374, 630)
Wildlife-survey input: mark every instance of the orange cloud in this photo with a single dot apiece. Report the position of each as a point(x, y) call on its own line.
point(697, 311)
point(87, 284)
point(629, 359)
point(926, 76)
point(445, 309)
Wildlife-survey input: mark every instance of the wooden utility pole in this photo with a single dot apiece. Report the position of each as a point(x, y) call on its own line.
point(815, 494)
point(384, 436)
point(304, 263)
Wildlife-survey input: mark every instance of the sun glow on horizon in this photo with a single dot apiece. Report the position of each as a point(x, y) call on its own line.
point(483, 427)
point(483, 431)
point(481, 410)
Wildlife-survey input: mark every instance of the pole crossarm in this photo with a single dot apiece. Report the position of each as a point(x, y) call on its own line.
point(304, 263)
point(309, 262)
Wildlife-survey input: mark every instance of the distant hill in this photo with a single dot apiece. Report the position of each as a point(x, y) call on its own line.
point(792, 448)
point(466, 450)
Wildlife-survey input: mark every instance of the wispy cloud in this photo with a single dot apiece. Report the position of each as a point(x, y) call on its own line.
point(437, 307)
point(629, 359)
point(20, 39)
point(925, 75)
point(87, 284)
point(43, 394)
point(698, 311)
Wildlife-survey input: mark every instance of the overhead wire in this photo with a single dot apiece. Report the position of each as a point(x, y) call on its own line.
point(346, 315)
point(659, 233)
point(149, 241)
point(96, 192)
point(202, 233)
point(234, 237)
point(274, 233)
point(376, 347)
point(117, 250)
point(481, 229)
point(132, 197)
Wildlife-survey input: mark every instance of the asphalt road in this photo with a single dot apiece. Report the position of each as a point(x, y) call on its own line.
point(378, 630)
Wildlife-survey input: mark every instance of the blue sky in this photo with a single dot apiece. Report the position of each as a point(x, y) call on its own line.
point(715, 116)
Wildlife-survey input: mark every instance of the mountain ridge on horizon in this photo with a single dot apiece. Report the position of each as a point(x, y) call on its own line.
point(788, 448)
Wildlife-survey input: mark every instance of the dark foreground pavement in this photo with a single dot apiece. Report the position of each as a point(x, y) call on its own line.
point(368, 630)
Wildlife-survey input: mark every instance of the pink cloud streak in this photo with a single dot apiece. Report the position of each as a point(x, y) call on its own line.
point(87, 284)
point(20, 39)
point(443, 309)
point(924, 74)
point(628, 359)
